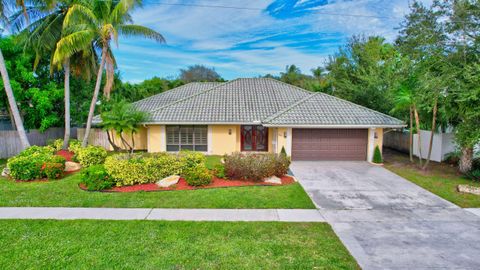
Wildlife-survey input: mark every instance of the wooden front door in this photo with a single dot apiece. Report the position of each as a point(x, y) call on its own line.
point(254, 138)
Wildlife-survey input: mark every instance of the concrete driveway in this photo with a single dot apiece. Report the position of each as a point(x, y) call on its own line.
point(387, 222)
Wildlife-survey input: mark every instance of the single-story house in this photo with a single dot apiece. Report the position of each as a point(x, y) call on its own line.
point(260, 115)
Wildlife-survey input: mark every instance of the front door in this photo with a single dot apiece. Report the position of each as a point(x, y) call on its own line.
point(254, 138)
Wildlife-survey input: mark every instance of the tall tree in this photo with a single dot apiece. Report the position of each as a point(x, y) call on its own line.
point(99, 22)
point(4, 5)
point(199, 73)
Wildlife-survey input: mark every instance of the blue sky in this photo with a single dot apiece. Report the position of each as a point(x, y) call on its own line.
point(262, 38)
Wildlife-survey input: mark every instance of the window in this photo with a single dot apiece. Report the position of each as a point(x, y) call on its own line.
point(187, 138)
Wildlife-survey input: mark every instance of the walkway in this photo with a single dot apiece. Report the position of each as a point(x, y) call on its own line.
point(387, 222)
point(285, 215)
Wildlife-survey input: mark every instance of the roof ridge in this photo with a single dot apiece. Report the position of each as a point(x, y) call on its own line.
point(291, 85)
point(288, 108)
point(358, 105)
point(191, 96)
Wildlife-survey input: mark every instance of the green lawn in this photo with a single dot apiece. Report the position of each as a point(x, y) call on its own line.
point(89, 244)
point(441, 179)
point(212, 161)
point(65, 192)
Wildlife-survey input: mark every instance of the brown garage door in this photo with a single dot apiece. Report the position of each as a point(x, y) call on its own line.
point(329, 144)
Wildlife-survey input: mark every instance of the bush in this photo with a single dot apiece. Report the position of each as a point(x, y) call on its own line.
point(74, 146)
point(453, 158)
point(29, 164)
point(198, 175)
point(255, 166)
point(126, 169)
point(56, 144)
point(220, 171)
point(191, 159)
point(91, 155)
point(96, 177)
point(283, 152)
point(377, 156)
point(474, 174)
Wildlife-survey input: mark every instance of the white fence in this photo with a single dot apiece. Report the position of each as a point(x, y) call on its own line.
point(443, 143)
point(10, 142)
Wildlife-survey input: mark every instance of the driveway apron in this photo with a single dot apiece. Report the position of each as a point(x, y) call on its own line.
point(387, 222)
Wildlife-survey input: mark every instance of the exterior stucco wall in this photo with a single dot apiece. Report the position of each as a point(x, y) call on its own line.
point(375, 138)
point(156, 139)
point(282, 140)
point(225, 139)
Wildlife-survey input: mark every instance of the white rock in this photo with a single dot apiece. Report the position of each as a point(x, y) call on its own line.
point(168, 181)
point(5, 172)
point(468, 189)
point(273, 180)
point(72, 166)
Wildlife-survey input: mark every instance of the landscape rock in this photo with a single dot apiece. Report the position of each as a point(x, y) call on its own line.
point(468, 189)
point(273, 180)
point(5, 172)
point(168, 181)
point(72, 166)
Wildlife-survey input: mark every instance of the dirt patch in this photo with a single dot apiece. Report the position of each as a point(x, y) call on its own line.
point(183, 185)
point(66, 154)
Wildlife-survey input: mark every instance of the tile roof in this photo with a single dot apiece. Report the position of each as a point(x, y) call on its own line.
point(255, 101)
point(321, 109)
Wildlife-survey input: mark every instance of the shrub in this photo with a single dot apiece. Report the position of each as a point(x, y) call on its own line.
point(453, 157)
point(26, 168)
point(96, 177)
point(474, 174)
point(74, 146)
point(220, 171)
point(377, 156)
point(198, 175)
point(283, 152)
point(29, 164)
point(43, 150)
point(91, 155)
point(191, 159)
point(255, 166)
point(56, 144)
point(53, 170)
point(128, 169)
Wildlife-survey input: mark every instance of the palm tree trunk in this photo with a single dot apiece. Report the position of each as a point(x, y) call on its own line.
point(115, 147)
point(95, 97)
point(434, 122)
point(66, 70)
point(13, 105)
point(465, 164)
point(410, 144)
point(417, 124)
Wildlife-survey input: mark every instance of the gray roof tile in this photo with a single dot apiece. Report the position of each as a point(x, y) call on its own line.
point(256, 100)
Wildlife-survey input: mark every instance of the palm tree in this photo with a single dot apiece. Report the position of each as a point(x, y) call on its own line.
point(99, 22)
point(42, 37)
point(6, 81)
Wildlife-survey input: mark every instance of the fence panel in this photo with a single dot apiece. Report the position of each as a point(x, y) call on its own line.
point(397, 140)
point(10, 142)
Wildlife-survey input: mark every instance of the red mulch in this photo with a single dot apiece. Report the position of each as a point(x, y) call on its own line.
point(66, 154)
point(182, 185)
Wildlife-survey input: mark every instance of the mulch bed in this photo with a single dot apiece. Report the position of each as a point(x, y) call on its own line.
point(182, 185)
point(66, 154)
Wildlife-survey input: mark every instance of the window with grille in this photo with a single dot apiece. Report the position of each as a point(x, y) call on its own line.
point(187, 138)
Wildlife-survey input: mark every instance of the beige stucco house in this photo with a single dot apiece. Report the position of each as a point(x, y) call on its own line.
point(260, 115)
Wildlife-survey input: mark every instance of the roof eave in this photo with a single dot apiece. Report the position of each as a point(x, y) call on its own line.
point(334, 126)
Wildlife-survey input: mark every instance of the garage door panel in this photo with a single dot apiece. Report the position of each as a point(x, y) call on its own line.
point(329, 144)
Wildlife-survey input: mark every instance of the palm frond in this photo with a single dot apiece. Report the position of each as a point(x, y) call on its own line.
point(78, 12)
point(73, 43)
point(140, 31)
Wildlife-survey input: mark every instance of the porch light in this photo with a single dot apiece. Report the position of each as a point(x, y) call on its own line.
point(375, 135)
point(285, 134)
point(229, 131)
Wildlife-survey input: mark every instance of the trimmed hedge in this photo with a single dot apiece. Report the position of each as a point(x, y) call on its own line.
point(96, 177)
point(128, 169)
point(255, 167)
point(198, 175)
point(36, 162)
point(91, 155)
point(377, 156)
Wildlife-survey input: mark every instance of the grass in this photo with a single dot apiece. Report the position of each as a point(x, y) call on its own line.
point(212, 161)
point(49, 244)
point(65, 192)
point(440, 179)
